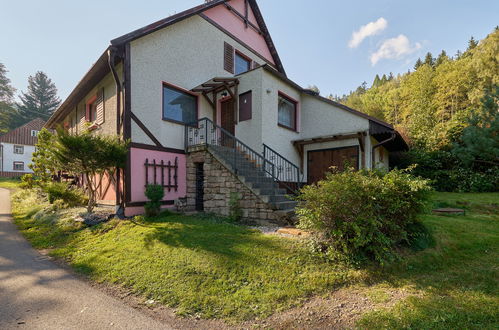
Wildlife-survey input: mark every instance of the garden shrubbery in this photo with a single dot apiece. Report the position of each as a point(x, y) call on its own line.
point(71, 196)
point(361, 215)
point(155, 194)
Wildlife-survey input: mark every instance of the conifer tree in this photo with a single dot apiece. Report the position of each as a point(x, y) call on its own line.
point(7, 111)
point(429, 59)
point(41, 99)
point(418, 64)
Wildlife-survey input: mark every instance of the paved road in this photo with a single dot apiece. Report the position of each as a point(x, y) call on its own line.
point(37, 294)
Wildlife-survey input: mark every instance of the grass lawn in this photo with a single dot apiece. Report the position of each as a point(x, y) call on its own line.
point(207, 267)
point(9, 183)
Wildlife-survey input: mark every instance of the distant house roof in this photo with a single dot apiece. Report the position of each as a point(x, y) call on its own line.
point(22, 135)
point(101, 67)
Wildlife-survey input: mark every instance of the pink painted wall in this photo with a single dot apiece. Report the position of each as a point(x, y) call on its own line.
point(138, 172)
point(235, 25)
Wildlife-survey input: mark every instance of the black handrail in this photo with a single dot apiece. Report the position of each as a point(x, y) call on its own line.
point(206, 133)
point(287, 173)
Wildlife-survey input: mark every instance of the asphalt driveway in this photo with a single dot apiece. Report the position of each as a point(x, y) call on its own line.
point(37, 294)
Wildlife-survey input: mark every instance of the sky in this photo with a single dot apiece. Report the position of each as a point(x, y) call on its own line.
point(335, 45)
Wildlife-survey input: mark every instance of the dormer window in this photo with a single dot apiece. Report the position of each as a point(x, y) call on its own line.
point(242, 64)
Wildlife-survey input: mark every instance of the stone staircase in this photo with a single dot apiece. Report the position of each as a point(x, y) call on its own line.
point(256, 179)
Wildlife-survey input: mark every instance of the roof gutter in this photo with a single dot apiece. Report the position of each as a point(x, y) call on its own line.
point(391, 138)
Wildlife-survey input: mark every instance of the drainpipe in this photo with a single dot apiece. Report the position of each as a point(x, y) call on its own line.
point(112, 54)
point(391, 138)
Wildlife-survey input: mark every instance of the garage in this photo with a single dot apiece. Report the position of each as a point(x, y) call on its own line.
point(319, 161)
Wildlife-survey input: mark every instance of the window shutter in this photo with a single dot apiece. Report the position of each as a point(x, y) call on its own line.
point(82, 119)
point(100, 107)
point(245, 106)
point(228, 58)
point(87, 112)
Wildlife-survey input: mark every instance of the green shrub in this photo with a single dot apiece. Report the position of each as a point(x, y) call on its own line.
point(155, 194)
point(71, 196)
point(363, 215)
point(28, 181)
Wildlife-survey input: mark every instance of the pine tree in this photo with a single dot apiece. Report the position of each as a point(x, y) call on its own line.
point(472, 43)
point(376, 82)
point(418, 64)
point(429, 59)
point(441, 58)
point(7, 111)
point(41, 100)
point(384, 79)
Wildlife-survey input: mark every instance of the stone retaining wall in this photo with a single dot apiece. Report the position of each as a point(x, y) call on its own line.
point(219, 184)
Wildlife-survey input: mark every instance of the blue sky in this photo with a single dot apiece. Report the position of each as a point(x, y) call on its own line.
point(313, 38)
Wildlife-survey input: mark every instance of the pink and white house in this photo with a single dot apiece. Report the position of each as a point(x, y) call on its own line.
point(205, 100)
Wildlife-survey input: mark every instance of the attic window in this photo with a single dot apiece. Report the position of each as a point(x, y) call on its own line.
point(242, 63)
point(34, 133)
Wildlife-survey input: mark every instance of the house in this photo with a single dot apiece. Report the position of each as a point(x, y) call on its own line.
point(17, 147)
point(211, 114)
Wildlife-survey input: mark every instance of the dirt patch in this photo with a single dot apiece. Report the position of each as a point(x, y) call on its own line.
point(340, 310)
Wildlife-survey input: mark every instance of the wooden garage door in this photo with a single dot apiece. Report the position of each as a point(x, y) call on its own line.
point(319, 161)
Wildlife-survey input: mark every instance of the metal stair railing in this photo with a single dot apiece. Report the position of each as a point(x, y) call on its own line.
point(205, 132)
point(286, 172)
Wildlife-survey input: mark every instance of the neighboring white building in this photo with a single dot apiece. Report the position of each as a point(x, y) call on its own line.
point(17, 147)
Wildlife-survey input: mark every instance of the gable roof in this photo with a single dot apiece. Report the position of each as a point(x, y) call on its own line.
point(139, 33)
point(22, 135)
point(101, 67)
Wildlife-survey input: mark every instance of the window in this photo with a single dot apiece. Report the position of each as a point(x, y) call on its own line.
point(178, 105)
point(19, 150)
point(34, 133)
point(18, 166)
point(91, 110)
point(245, 106)
point(287, 112)
point(241, 63)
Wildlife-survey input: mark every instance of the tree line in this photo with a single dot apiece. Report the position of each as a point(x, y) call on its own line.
point(447, 110)
point(39, 101)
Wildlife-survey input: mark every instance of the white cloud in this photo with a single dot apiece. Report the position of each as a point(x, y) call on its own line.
point(394, 48)
point(367, 30)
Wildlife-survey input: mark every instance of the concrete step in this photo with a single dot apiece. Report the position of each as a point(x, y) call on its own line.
point(288, 205)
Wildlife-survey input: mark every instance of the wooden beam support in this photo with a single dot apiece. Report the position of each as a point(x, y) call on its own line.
point(209, 101)
point(241, 16)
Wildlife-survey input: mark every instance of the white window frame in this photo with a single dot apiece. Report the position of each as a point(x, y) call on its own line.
point(17, 148)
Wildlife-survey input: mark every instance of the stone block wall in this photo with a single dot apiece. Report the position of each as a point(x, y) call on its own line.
point(219, 184)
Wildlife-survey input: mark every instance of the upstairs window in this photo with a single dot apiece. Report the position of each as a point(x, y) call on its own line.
point(91, 110)
point(179, 105)
point(241, 63)
point(34, 133)
point(19, 150)
point(287, 110)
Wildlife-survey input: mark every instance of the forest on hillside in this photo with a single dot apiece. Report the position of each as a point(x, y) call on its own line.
point(447, 110)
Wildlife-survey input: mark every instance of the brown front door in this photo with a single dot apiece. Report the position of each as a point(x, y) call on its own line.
point(320, 161)
point(228, 122)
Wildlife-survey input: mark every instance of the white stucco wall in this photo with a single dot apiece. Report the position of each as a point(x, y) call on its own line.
point(185, 54)
point(380, 163)
point(9, 157)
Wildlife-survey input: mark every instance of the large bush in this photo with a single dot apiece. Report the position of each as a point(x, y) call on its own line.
point(363, 215)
